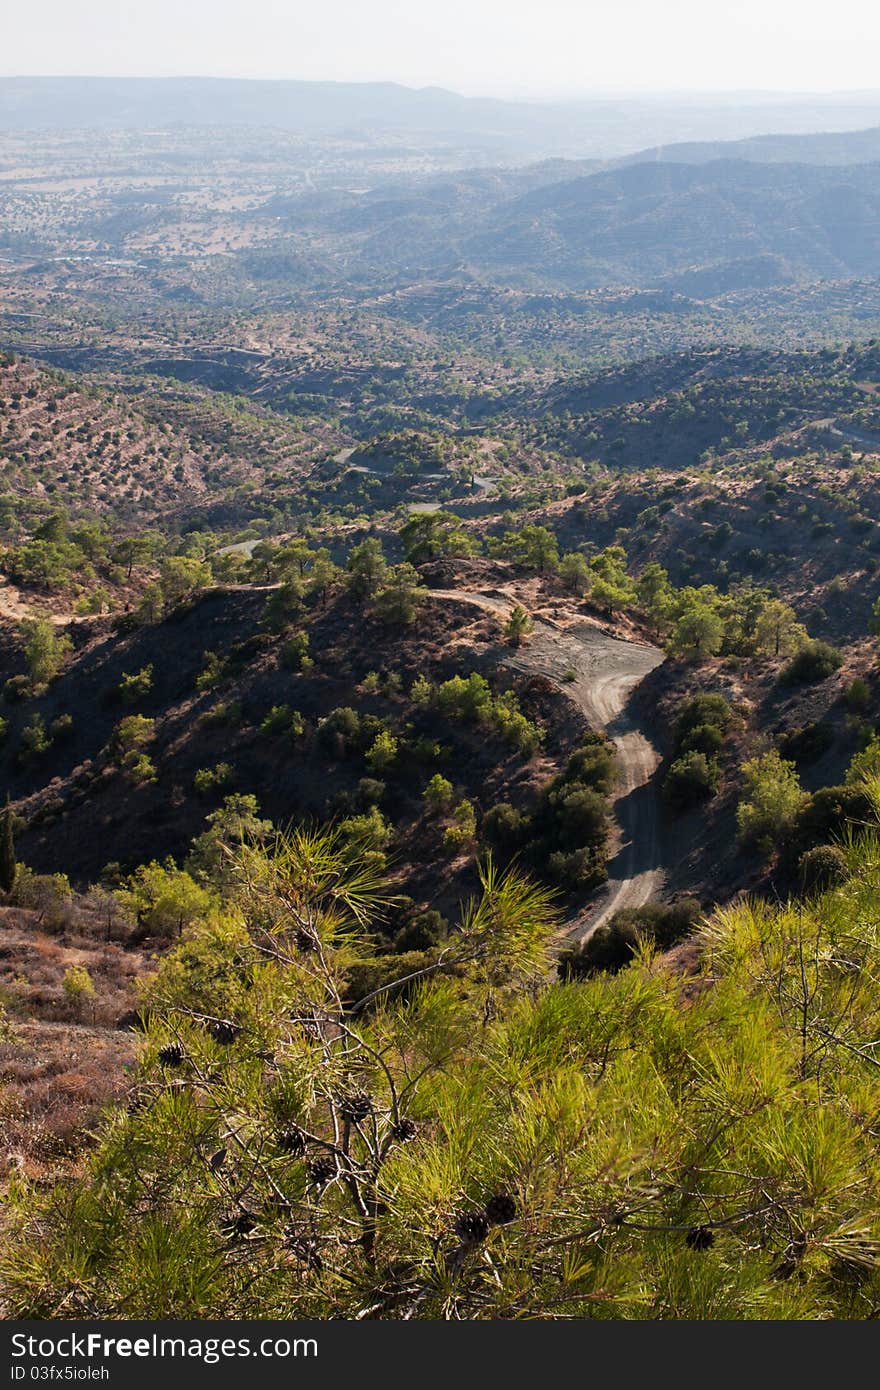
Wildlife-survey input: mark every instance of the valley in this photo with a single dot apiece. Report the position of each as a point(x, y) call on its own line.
point(439, 704)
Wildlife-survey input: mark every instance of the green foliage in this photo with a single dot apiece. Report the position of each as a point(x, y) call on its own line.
point(692, 778)
point(814, 662)
point(772, 799)
point(397, 603)
point(382, 751)
point(438, 794)
point(518, 626)
point(470, 699)
point(78, 986)
point(821, 868)
point(35, 739)
point(616, 944)
point(209, 780)
point(8, 864)
point(166, 900)
point(574, 572)
point(128, 743)
point(460, 1146)
point(428, 535)
point(295, 653)
point(463, 831)
point(45, 650)
point(366, 568)
point(532, 547)
point(135, 685)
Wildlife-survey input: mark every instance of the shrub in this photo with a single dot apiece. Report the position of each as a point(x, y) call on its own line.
point(463, 830)
point(772, 799)
point(576, 868)
point(295, 653)
point(505, 827)
point(815, 662)
point(705, 708)
point(340, 731)
point(822, 867)
point(35, 740)
point(691, 779)
point(370, 792)
point(78, 987)
point(423, 931)
point(858, 694)
point(612, 946)
point(135, 685)
point(382, 752)
point(705, 738)
point(209, 780)
point(438, 794)
point(807, 743)
point(593, 765)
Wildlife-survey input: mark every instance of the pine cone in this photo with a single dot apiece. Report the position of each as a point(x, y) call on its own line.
point(305, 941)
point(240, 1225)
point(700, 1238)
point(292, 1141)
point(500, 1209)
point(321, 1171)
point(404, 1131)
point(305, 1248)
point(223, 1032)
point(355, 1107)
point(171, 1055)
point(471, 1227)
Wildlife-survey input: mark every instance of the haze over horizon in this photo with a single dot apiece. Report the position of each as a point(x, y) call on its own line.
point(491, 48)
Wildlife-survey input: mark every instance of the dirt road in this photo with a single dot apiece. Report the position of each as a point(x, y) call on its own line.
point(599, 672)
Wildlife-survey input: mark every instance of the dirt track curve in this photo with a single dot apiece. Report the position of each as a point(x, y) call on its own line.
point(606, 670)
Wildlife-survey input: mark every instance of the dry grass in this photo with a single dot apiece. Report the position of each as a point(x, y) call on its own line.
point(61, 1060)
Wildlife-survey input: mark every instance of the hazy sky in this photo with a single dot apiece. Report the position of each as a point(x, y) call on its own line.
point(497, 47)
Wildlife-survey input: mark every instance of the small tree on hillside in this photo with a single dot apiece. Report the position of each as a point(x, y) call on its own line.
point(518, 626)
point(398, 603)
point(8, 865)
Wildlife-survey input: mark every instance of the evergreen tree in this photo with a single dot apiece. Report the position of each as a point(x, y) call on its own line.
point(8, 866)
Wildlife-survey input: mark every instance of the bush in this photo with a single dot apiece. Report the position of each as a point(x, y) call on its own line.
point(135, 685)
point(821, 868)
point(832, 811)
point(209, 780)
point(438, 794)
point(705, 738)
point(295, 653)
point(370, 792)
point(581, 817)
point(690, 780)
point(593, 765)
point(612, 946)
point(577, 868)
point(78, 987)
point(858, 694)
point(815, 662)
point(505, 827)
point(340, 731)
point(772, 799)
point(422, 932)
point(807, 743)
point(463, 830)
point(704, 709)
point(382, 752)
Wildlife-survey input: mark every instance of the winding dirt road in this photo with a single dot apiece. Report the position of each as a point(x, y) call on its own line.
point(605, 671)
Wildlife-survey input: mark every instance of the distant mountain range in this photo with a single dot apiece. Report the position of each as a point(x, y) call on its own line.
point(486, 128)
point(827, 147)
